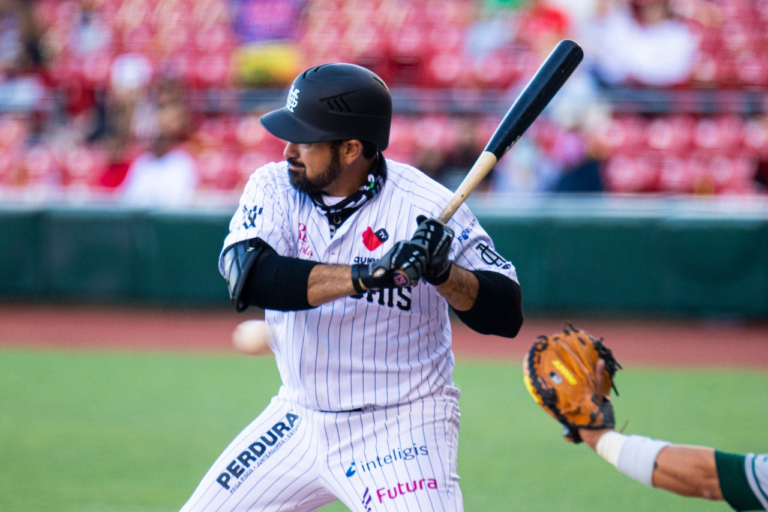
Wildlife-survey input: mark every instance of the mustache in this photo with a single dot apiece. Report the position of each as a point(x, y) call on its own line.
point(295, 163)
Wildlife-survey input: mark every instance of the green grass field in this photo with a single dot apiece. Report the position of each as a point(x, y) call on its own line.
point(86, 431)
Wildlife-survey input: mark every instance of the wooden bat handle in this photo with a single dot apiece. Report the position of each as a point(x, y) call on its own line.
point(482, 167)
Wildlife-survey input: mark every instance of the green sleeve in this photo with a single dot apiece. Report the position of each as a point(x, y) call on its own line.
point(733, 482)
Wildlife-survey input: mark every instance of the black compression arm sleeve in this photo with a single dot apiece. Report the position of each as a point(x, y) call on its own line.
point(498, 308)
point(278, 282)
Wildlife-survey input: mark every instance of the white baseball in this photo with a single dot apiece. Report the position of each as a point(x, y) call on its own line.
point(252, 337)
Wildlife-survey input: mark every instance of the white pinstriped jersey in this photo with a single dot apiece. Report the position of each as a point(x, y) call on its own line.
point(378, 348)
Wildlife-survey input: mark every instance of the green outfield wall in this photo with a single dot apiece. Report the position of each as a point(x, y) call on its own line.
point(608, 257)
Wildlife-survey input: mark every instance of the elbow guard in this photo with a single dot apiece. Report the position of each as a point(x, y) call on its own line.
point(238, 261)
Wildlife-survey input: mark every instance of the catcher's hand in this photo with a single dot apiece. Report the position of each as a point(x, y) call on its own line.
point(561, 372)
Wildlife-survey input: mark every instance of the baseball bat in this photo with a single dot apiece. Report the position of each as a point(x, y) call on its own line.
point(550, 77)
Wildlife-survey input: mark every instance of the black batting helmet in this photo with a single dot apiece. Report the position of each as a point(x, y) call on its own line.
point(334, 102)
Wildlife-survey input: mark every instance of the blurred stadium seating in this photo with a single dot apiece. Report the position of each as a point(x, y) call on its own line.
point(706, 136)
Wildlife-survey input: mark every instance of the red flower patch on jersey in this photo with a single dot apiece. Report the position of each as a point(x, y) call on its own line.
point(373, 240)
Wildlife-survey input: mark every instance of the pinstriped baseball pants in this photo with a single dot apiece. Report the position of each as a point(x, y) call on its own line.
point(400, 457)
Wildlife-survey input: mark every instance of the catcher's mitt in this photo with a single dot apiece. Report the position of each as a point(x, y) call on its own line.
point(559, 373)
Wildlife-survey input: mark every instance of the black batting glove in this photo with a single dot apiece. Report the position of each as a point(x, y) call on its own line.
point(401, 266)
point(436, 238)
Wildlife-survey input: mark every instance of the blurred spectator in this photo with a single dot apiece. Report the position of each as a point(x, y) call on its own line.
point(89, 35)
point(117, 162)
point(19, 39)
point(640, 43)
point(490, 32)
point(555, 154)
point(103, 57)
point(22, 77)
point(542, 26)
point(166, 176)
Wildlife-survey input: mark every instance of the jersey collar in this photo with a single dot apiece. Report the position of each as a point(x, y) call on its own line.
point(341, 211)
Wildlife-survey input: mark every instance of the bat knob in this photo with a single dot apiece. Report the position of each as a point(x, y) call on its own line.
point(401, 279)
point(379, 273)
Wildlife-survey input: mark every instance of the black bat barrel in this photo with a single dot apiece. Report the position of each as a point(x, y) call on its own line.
point(550, 77)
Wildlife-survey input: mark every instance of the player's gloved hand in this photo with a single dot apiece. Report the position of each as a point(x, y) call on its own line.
point(436, 237)
point(401, 266)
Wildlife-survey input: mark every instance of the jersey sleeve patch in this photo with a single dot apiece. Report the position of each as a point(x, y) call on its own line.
point(473, 249)
point(260, 214)
point(732, 473)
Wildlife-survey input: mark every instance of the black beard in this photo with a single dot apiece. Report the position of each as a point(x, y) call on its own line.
point(302, 183)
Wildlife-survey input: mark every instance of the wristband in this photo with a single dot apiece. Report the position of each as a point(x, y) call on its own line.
point(609, 446)
point(356, 278)
point(637, 458)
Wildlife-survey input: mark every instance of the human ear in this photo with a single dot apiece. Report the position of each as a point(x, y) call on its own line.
point(351, 150)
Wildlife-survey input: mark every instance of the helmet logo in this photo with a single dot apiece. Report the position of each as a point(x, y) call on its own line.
point(293, 99)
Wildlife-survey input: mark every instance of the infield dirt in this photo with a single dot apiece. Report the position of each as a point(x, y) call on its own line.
point(651, 342)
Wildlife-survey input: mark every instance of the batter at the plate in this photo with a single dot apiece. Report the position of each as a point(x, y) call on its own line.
point(342, 248)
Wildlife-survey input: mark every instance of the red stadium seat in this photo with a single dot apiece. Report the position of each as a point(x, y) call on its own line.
point(359, 13)
point(170, 15)
point(755, 136)
point(721, 133)
point(95, 69)
point(174, 39)
point(247, 164)
point(215, 131)
point(442, 12)
point(212, 70)
point(210, 12)
point(40, 164)
point(625, 173)
point(11, 172)
point(82, 165)
point(622, 133)
point(735, 35)
point(677, 174)
point(732, 174)
point(179, 64)
point(13, 132)
point(319, 41)
point(496, 71)
point(217, 169)
point(407, 44)
point(670, 133)
point(752, 69)
point(249, 132)
point(709, 40)
point(213, 39)
point(132, 15)
point(402, 135)
point(444, 70)
point(705, 68)
point(137, 40)
point(446, 38)
point(365, 43)
point(523, 63)
point(435, 132)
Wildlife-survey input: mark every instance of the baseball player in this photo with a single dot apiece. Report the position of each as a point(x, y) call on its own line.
point(695, 471)
point(341, 247)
